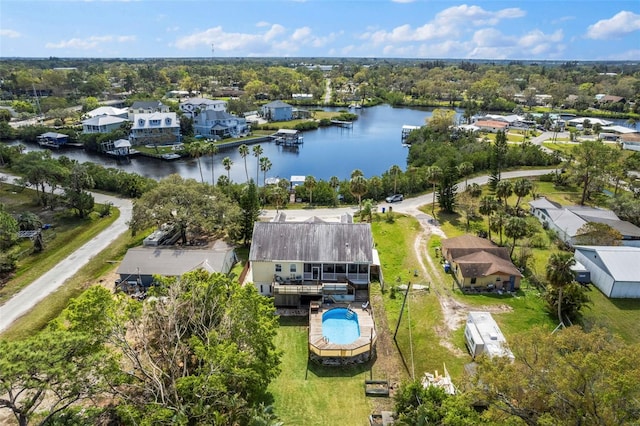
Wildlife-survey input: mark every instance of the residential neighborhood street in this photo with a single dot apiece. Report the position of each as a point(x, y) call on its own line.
point(28, 297)
point(37, 291)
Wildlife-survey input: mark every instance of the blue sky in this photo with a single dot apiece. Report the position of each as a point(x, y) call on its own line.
point(528, 29)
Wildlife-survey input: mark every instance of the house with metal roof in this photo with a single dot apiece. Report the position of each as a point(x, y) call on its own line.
point(277, 111)
point(141, 264)
point(479, 264)
point(102, 124)
point(300, 262)
point(193, 106)
point(566, 221)
point(613, 269)
point(483, 336)
point(108, 110)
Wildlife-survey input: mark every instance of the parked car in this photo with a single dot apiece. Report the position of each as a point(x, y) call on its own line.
point(394, 198)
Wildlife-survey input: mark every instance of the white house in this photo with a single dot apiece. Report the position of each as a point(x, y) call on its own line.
point(630, 141)
point(102, 124)
point(566, 221)
point(614, 270)
point(108, 110)
point(156, 128)
point(483, 336)
point(192, 107)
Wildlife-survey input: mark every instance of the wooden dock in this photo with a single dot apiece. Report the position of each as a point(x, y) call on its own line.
point(348, 124)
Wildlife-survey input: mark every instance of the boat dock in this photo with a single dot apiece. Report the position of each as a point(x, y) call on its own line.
point(406, 131)
point(288, 137)
point(342, 123)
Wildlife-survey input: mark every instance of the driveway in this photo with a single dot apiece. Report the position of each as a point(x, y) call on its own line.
point(23, 301)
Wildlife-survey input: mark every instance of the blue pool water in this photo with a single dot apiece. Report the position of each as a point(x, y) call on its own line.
point(340, 326)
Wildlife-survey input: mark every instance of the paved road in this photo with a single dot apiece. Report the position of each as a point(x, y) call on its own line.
point(28, 297)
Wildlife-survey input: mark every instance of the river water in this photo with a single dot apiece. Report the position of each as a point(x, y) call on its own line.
point(373, 145)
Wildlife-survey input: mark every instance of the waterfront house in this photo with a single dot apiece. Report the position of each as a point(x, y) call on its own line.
point(221, 124)
point(102, 124)
point(53, 139)
point(277, 111)
point(611, 269)
point(479, 264)
point(566, 221)
point(155, 128)
point(298, 262)
point(492, 126)
point(108, 110)
point(146, 107)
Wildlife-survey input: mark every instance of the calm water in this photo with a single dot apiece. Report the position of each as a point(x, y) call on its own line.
point(372, 145)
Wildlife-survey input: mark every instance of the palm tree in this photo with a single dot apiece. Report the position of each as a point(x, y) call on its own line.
point(334, 183)
point(559, 274)
point(521, 188)
point(309, 184)
point(227, 163)
point(196, 149)
point(356, 172)
point(504, 189)
point(257, 152)
point(465, 169)
point(434, 174)
point(265, 166)
point(488, 205)
point(213, 150)
point(244, 151)
point(358, 187)
point(394, 170)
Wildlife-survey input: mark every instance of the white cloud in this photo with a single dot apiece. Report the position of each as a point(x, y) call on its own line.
point(262, 24)
point(91, 42)
point(9, 33)
point(629, 55)
point(621, 24)
point(448, 23)
point(492, 43)
point(403, 1)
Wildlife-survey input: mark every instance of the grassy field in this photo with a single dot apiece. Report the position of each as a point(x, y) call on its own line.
point(311, 395)
point(67, 233)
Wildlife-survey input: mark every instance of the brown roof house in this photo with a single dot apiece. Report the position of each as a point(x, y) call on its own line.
point(478, 264)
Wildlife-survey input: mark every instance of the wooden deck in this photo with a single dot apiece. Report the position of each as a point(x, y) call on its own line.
point(319, 345)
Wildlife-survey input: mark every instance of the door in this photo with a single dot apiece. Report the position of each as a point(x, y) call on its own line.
point(315, 273)
point(512, 282)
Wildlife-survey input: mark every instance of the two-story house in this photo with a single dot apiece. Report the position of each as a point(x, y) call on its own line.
point(159, 128)
point(146, 107)
point(102, 124)
point(277, 111)
point(220, 124)
point(194, 106)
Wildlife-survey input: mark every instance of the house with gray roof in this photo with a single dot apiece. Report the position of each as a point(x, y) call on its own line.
point(108, 110)
point(146, 107)
point(141, 264)
point(221, 124)
point(159, 128)
point(299, 262)
point(566, 221)
point(194, 106)
point(277, 111)
point(613, 269)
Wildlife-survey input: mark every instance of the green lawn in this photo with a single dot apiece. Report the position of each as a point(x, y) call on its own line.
point(307, 394)
point(67, 234)
point(620, 316)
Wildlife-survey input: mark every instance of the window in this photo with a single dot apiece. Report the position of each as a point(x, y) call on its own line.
point(473, 280)
point(292, 267)
point(167, 121)
point(278, 267)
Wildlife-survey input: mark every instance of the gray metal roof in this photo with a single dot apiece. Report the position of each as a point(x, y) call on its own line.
point(172, 262)
point(620, 261)
point(277, 104)
point(312, 242)
point(146, 104)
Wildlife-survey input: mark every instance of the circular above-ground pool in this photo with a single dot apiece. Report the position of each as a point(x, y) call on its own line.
point(340, 326)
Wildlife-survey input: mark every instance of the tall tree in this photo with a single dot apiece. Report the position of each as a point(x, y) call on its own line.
point(75, 192)
point(196, 150)
point(590, 161)
point(244, 152)
point(465, 169)
point(515, 227)
point(334, 183)
point(358, 187)
point(227, 163)
point(257, 152)
point(395, 170)
point(8, 228)
point(213, 150)
point(310, 184)
point(434, 175)
point(265, 166)
point(250, 210)
point(560, 274)
point(488, 204)
point(498, 153)
point(504, 189)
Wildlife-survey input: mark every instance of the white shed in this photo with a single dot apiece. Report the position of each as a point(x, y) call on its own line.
point(613, 269)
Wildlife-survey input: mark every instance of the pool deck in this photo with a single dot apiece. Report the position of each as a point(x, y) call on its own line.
point(365, 320)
